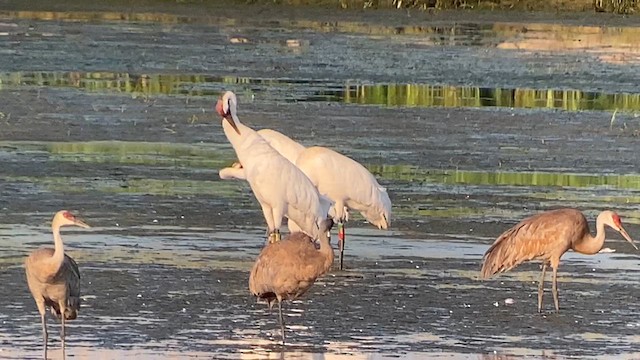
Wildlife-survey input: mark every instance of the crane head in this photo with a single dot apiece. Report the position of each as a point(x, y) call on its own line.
point(226, 107)
point(66, 218)
point(379, 220)
point(613, 221)
point(379, 214)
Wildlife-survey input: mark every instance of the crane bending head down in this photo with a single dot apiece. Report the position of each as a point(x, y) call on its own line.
point(227, 108)
point(379, 213)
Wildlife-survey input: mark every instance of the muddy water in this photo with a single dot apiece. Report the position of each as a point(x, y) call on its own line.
point(470, 124)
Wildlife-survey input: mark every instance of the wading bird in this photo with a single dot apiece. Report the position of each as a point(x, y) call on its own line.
point(287, 148)
point(283, 144)
point(341, 179)
point(236, 171)
point(54, 278)
point(547, 236)
point(349, 185)
point(278, 141)
point(278, 185)
point(285, 270)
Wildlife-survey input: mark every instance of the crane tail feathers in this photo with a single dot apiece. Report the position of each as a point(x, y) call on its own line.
point(502, 256)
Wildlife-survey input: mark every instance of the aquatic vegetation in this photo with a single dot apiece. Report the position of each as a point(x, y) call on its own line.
point(504, 178)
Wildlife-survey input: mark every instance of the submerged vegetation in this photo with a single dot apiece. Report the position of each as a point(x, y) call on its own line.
point(420, 95)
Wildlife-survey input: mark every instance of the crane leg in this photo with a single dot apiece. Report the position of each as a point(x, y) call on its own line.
point(45, 335)
point(274, 236)
point(62, 315)
point(541, 287)
point(341, 240)
point(267, 211)
point(278, 214)
point(281, 319)
point(554, 288)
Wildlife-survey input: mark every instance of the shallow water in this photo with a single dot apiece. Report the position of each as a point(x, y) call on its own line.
point(471, 125)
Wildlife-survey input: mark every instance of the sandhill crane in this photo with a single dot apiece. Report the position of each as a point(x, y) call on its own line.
point(278, 185)
point(54, 279)
point(349, 185)
point(547, 236)
point(285, 270)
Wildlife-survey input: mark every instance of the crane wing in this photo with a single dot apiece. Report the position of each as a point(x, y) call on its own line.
point(72, 278)
point(279, 269)
point(538, 237)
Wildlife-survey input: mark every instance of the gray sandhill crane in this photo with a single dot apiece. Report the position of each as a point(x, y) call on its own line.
point(54, 279)
point(285, 270)
point(547, 236)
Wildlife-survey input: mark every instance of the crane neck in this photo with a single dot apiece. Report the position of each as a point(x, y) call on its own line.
point(58, 255)
point(237, 140)
point(590, 244)
point(249, 146)
point(231, 134)
point(326, 250)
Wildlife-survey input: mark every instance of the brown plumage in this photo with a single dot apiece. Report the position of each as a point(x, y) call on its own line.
point(546, 237)
point(54, 279)
point(286, 269)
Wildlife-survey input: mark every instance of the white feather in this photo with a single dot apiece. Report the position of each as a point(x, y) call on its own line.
point(278, 185)
point(347, 183)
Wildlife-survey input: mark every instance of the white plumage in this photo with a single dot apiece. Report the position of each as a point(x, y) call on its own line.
point(282, 143)
point(235, 171)
point(278, 185)
point(290, 150)
point(347, 183)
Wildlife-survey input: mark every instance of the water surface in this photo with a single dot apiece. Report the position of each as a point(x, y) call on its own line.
point(470, 125)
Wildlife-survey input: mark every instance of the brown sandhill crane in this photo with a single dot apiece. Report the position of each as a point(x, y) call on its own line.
point(54, 279)
point(286, 269)
point(547, 236)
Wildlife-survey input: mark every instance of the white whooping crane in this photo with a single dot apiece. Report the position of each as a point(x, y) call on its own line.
point(278, 185)
point(349, 185)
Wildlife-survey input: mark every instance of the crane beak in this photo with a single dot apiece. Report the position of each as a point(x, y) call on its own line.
point(627, 237)
point(229, 118)
point(385, 224)
point(81, 223)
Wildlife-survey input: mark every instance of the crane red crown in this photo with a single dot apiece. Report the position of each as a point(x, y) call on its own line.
point(68, 215)
point(616, 219)
point(220, 108)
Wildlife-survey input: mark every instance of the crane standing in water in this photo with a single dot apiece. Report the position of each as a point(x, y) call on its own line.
point(285, 270)
point(278, 185)
point(54, 278)
point(547, 236)
point(339, 178)
point(349, 185)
